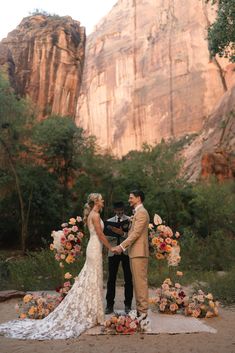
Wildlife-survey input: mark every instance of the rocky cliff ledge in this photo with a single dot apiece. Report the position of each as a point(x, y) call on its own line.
point(44, 56)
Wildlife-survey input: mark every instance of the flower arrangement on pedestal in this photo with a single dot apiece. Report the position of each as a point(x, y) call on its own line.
point(164, 242)
point(67, 248)
point(67, 242)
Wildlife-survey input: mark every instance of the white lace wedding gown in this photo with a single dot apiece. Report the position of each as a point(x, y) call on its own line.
point(81, 309)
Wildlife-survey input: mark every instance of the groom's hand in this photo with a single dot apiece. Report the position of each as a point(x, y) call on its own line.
point(117, 249)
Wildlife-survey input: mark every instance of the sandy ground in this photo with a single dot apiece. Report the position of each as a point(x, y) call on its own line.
point(221, 342)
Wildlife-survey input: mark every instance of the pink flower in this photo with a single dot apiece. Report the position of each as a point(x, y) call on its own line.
point(67, 284)
point(79, 219)
point(74, 229)
point(80, 235)
point(66, 231)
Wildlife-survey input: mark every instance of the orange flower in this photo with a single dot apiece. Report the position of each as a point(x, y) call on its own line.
point(51, 247)
point(32, 310)
point(68, 275)
point(22, 316)
point(27, 298)
point(159, 256)
point(179, 273)
point(70, 259)
point(72, 221)
point(155, 241)
point(168, 248)
point(174, 242)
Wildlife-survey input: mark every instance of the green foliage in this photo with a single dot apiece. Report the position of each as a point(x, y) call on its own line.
point(36, 271)
point(222, 286)
point(213, 253)
point(221, 33)
point(213, 207)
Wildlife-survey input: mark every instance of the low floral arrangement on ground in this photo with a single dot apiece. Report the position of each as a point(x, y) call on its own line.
point(202, 305)
point(125, 324)
point(172, 299)
point(164, 242)
point(36, 306)
point(67, 242)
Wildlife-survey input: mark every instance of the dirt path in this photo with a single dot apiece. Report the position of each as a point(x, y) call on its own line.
point(222, 342)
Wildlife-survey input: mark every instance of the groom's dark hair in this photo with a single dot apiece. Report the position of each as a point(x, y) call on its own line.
point(138, 193)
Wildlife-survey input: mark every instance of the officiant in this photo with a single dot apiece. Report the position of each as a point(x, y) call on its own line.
point(116, 230)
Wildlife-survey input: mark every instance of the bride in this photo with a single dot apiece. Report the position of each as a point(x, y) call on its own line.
point(82, 307)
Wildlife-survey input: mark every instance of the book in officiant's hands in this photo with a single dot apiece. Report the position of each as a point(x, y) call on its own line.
point(110, 231)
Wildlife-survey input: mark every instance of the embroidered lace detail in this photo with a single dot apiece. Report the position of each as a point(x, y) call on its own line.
point(81, 309)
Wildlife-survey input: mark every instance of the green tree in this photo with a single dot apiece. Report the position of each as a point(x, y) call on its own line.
point(213, 208)
point(221, 33)
point(15, 115)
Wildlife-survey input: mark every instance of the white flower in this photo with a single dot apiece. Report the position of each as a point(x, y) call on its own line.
point(57, 239)
point(157, 219)
point(133, 314)
point(133, 325)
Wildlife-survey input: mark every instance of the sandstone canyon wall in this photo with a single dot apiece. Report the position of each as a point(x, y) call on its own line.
point(44, 56)
point(148, 74)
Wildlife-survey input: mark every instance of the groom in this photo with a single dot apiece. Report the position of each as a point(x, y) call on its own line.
point(137, 244)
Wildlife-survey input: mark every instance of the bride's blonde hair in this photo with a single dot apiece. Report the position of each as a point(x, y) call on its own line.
point(92, 198)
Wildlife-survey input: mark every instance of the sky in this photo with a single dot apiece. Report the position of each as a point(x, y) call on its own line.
point(88, 12)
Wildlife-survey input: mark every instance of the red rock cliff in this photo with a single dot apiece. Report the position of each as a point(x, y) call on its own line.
point(45, 56)
point(148, 74)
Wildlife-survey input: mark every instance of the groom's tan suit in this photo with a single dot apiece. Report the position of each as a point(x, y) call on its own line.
point(138, 250)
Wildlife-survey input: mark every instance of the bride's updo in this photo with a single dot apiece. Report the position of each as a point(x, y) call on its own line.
point(92, 198)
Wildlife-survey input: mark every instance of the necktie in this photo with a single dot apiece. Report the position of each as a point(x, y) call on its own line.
point(118, 238)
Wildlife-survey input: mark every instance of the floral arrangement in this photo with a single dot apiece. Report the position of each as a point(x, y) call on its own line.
point(67, 242)
point(170, 298)
point(164, 242)
point(63, 290)
point(202, 305)
point(37, 306)
point(125, 324)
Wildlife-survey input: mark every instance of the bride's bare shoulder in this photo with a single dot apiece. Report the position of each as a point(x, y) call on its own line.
point(94, 216)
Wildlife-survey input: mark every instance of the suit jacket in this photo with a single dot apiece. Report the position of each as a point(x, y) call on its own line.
point(113, 240)
point(137, 240)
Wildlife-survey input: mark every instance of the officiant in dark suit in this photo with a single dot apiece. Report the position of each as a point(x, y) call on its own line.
point(116, 230)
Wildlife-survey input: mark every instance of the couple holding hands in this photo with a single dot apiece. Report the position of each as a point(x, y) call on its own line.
point(82, 308)
point(130, 247)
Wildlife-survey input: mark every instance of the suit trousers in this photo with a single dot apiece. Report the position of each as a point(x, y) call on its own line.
point(139, 269)
point(113, 265)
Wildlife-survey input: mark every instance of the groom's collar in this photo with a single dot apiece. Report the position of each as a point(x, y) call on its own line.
point(137, 207)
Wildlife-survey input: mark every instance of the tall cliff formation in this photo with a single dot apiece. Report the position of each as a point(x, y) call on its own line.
point(44, 56)
point(212, 151)
point(148, 74)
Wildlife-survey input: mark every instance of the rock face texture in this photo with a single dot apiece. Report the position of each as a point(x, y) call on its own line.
point(148, 74)
point(212, 151)
point(44, 56)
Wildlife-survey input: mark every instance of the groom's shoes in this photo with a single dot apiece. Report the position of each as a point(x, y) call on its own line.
point(142, 316)
point(109, 310)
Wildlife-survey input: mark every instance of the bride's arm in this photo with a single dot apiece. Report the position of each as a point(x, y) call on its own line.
point(99, 231)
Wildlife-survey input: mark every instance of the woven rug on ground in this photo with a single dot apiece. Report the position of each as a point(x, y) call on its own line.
point(164, 323)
